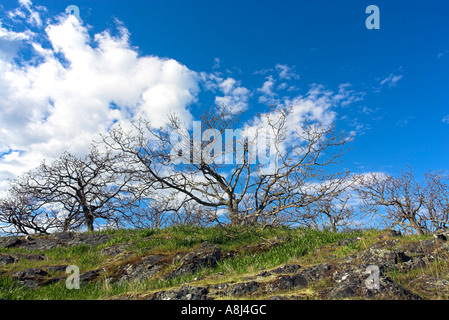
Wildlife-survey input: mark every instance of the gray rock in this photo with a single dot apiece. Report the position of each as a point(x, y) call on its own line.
point(88, 239)
point(184, 293)
point(30, 257)
point(114, 250)
point(429, 245)
point(39, 244)
point(414, 263)
point(219, 286)
point(301, 279)
point(350, 281)
point(15, 257)
point(381, 257)
point(244, 288)
point(48, 242)
point(341, 291)
point(9, 242)
point(89, 276)
point(140, 269)
point(31, 277)
point(63, 237)
point(287, 268)
point(281, 283)
point(55, 268)
point(346, 242)
point(207, 255)
point(264, 274)
point(291, 297)
point(29, 273)
point(316, 272)
point(7, 259)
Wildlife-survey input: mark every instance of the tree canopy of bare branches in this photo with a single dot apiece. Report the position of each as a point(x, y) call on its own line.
point(414, 206)
point(267, 172)
point(336, 209)
point(69, 192)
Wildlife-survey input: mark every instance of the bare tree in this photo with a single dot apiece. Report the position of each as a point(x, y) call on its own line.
point(81, 189)
point(22, 213)
point(399, 201)
point(437, 201)
point(337, 208)
point(332, 212)
point(251, 189)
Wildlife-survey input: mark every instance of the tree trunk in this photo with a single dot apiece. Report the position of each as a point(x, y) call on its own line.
point(89, 218)
point(332, 224)
point(416, 226)
point(234, 214)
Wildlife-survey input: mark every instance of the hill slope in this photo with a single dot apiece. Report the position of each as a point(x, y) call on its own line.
point(211, 263)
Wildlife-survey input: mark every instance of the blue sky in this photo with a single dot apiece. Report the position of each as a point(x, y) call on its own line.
point(393, 81)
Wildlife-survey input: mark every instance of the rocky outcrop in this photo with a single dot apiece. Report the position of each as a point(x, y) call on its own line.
point(137, 268)
point(353, 281)
point(48, 242)
point(15, 257)
point(300, 279)
point(207, 255)
point(362, 275)
point(242, 289)
point(183, 293)
point(348, 277)
point(34, 277)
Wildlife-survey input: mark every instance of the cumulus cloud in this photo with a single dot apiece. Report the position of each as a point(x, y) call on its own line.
point(75, 86)
point(230, 92)
point(316, 106)
point(283, 72)
point(267, 95)
point(286, 72)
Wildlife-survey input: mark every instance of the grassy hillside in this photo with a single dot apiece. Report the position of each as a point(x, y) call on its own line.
point(210, 263)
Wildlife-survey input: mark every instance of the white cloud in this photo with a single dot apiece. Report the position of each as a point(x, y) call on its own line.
point(27, 11)
point(442, 54)
point(445, 119)
point(227, 85)
point(405, 121)
point(317, 105)
point(77, 85)
point(216, 64)
point(267, 87)
point(369, 111)
point(286, 72)
point(391, 80)
point(50, 104)
point(267, 93)
point(235, 96)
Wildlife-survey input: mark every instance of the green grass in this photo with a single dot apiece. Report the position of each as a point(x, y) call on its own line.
point(300, 243)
